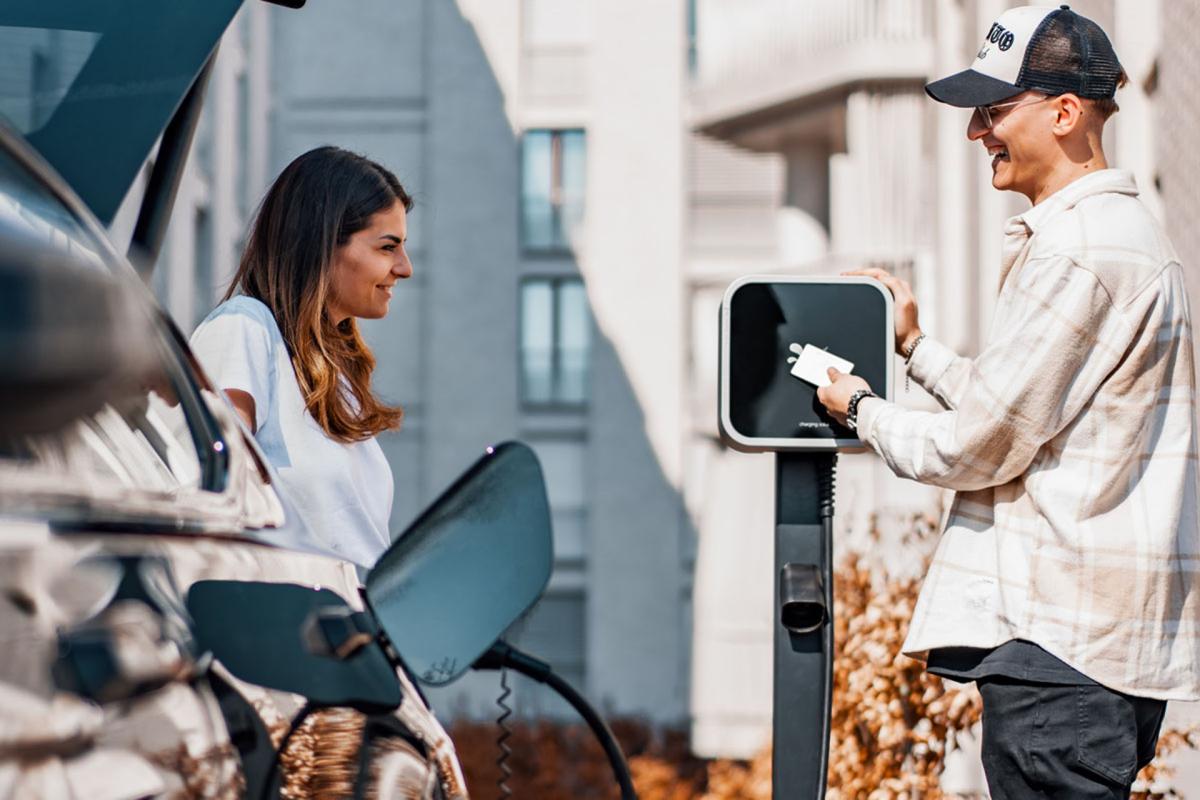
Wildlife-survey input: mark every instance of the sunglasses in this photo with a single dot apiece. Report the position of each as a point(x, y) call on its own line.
point(989, 114)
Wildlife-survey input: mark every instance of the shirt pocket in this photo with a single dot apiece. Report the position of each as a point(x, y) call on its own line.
point(1107, 734)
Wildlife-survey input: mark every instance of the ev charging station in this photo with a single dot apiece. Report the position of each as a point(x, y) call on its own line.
point(778, 336)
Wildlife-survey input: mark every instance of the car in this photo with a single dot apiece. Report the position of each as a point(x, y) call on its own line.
point(125, 477)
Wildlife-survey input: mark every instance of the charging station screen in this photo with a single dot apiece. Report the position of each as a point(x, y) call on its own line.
point(770, 324)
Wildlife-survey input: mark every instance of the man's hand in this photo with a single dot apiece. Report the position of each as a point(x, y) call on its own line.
point(836, 398)
point(907, 328)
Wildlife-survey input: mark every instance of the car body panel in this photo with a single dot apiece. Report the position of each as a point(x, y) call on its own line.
point(173, 736)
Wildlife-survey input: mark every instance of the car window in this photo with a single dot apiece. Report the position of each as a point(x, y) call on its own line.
point(150, 437)
point(41, 64)
point(91, 83)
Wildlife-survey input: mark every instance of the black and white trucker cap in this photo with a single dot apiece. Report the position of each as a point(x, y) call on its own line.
point(1039, 48)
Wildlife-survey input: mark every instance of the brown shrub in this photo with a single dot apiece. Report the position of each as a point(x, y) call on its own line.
point(891, 727)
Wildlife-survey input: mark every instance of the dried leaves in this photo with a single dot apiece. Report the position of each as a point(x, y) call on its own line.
point(1154, 782)
point(555, 761)
point(891, 728)
point(891, 719)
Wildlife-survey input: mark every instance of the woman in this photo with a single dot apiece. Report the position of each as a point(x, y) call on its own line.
point(326, 249)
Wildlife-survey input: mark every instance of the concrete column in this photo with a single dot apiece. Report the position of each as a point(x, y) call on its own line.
point(1136, 39)
point(953, 296)
point(223, 202)
point(992, 205)
point(804, 217)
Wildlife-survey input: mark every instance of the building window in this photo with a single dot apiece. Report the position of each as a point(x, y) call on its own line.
point(242, 157)
point(555, 342)
point(204, 279)
point(563, 463)
point(552, 188)
point(555, 629)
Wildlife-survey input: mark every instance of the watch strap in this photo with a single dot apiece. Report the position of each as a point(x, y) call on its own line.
point(852, 407)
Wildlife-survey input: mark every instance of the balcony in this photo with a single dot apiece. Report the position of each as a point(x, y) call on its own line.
point(759, 61)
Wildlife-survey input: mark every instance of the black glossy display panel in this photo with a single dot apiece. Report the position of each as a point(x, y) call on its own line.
point(765, 400)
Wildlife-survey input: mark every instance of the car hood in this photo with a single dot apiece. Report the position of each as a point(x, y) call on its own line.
point(92, 84)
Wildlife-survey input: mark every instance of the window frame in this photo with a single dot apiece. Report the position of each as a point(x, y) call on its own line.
point(556, 249)
point(211, 445)
point(555, 404)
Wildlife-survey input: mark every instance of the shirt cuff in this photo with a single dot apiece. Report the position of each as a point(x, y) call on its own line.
point(930, 361)
point(868, 410)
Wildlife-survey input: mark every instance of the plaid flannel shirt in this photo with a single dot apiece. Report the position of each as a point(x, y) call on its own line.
point(1070, 443)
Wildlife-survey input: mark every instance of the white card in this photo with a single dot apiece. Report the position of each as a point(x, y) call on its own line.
point(812, 364)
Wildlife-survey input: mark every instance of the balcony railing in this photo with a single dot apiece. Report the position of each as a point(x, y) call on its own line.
point(749, 49)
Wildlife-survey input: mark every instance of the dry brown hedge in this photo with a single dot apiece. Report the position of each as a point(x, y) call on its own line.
point(891, 725)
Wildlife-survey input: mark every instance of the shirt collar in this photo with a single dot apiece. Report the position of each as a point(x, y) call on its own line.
point(1117, 181)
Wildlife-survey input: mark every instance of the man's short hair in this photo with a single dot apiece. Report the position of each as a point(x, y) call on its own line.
point(1107, 106)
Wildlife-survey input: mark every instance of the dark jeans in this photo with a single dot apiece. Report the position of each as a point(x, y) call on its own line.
point(1068, 742)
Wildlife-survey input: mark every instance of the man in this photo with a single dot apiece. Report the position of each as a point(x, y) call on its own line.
point(1067, 580)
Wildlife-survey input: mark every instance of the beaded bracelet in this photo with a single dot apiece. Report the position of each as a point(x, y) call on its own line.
point(912, 348)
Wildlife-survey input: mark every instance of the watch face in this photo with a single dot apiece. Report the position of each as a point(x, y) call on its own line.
point(766, 401)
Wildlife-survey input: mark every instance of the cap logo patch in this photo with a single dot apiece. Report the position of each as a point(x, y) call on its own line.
point(1000, 36)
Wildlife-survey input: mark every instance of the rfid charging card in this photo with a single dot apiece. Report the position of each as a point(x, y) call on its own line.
point(812, 364)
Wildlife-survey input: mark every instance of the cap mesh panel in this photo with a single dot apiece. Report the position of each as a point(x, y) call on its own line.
point(1070, 53)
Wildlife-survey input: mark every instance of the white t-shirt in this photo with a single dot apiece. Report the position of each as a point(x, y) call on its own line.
point(341, 493)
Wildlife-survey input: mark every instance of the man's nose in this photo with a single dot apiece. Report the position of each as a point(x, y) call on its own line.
point(975, 128)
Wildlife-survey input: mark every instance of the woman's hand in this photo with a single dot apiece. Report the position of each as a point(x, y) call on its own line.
point(836, 397)
point(907, 327)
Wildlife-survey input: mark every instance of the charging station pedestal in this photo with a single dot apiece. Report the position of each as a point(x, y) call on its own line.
point(766, 321)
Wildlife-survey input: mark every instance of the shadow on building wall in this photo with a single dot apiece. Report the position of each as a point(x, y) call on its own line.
point(410, 85)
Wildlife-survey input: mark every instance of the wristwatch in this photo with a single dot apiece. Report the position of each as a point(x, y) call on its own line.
point(852, 407)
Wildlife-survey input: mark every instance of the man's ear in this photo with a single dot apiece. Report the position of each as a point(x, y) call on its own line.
point(1070, 111)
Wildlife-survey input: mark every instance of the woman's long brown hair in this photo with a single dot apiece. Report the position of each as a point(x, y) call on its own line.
point(315, 205)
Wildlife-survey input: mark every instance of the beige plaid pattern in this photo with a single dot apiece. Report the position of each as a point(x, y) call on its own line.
point(1070, 443)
